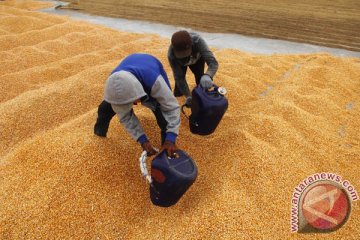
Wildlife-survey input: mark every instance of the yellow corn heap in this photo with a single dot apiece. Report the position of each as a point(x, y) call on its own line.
point(289, 116)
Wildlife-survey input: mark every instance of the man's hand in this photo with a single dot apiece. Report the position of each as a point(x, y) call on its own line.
point(148, 148)
point(206, 81)
point(170, 148)
point(188, 102)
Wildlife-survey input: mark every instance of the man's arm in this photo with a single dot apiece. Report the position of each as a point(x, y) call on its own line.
point(208, 56)
point(129, 120)
point(169, 107)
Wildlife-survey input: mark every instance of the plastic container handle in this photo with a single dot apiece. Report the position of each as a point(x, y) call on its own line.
point(183, 112)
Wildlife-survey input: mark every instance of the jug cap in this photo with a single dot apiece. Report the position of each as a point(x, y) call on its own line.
point(222, 90)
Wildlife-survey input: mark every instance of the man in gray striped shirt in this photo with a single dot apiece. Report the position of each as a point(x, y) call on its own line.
point(189, 49)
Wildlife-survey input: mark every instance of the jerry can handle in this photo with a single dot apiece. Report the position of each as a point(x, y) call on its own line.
point(178, 153)
point(143, 168)
point(183, 111)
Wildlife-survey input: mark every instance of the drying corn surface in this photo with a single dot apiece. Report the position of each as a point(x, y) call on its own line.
point(289, 116)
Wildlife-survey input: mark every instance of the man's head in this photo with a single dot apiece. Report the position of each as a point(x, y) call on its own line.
point(182, 44)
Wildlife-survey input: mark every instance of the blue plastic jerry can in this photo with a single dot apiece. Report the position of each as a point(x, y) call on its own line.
point(171, 177)
point(207, 109)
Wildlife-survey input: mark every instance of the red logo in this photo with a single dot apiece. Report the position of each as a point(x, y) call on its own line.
point(325, 207)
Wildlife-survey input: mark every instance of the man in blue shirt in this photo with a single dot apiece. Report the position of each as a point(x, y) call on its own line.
point(140, 78)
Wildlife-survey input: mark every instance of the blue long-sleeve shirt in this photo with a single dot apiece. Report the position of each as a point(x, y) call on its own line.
point(142, 76)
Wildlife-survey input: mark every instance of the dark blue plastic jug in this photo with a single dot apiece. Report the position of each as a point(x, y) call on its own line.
point(207, 109)
point(171, 177)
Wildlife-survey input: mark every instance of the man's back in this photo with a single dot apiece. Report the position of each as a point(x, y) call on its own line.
point(144, 67)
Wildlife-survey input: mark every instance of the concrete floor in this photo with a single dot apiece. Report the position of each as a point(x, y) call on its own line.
point(218, 40)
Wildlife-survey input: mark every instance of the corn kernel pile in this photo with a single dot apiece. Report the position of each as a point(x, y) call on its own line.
point(289, 116)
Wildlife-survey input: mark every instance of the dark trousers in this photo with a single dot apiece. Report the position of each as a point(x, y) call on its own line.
point(106, 113)
point(197, 69)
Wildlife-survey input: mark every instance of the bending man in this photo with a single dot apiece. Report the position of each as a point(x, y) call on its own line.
point(140, 78)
